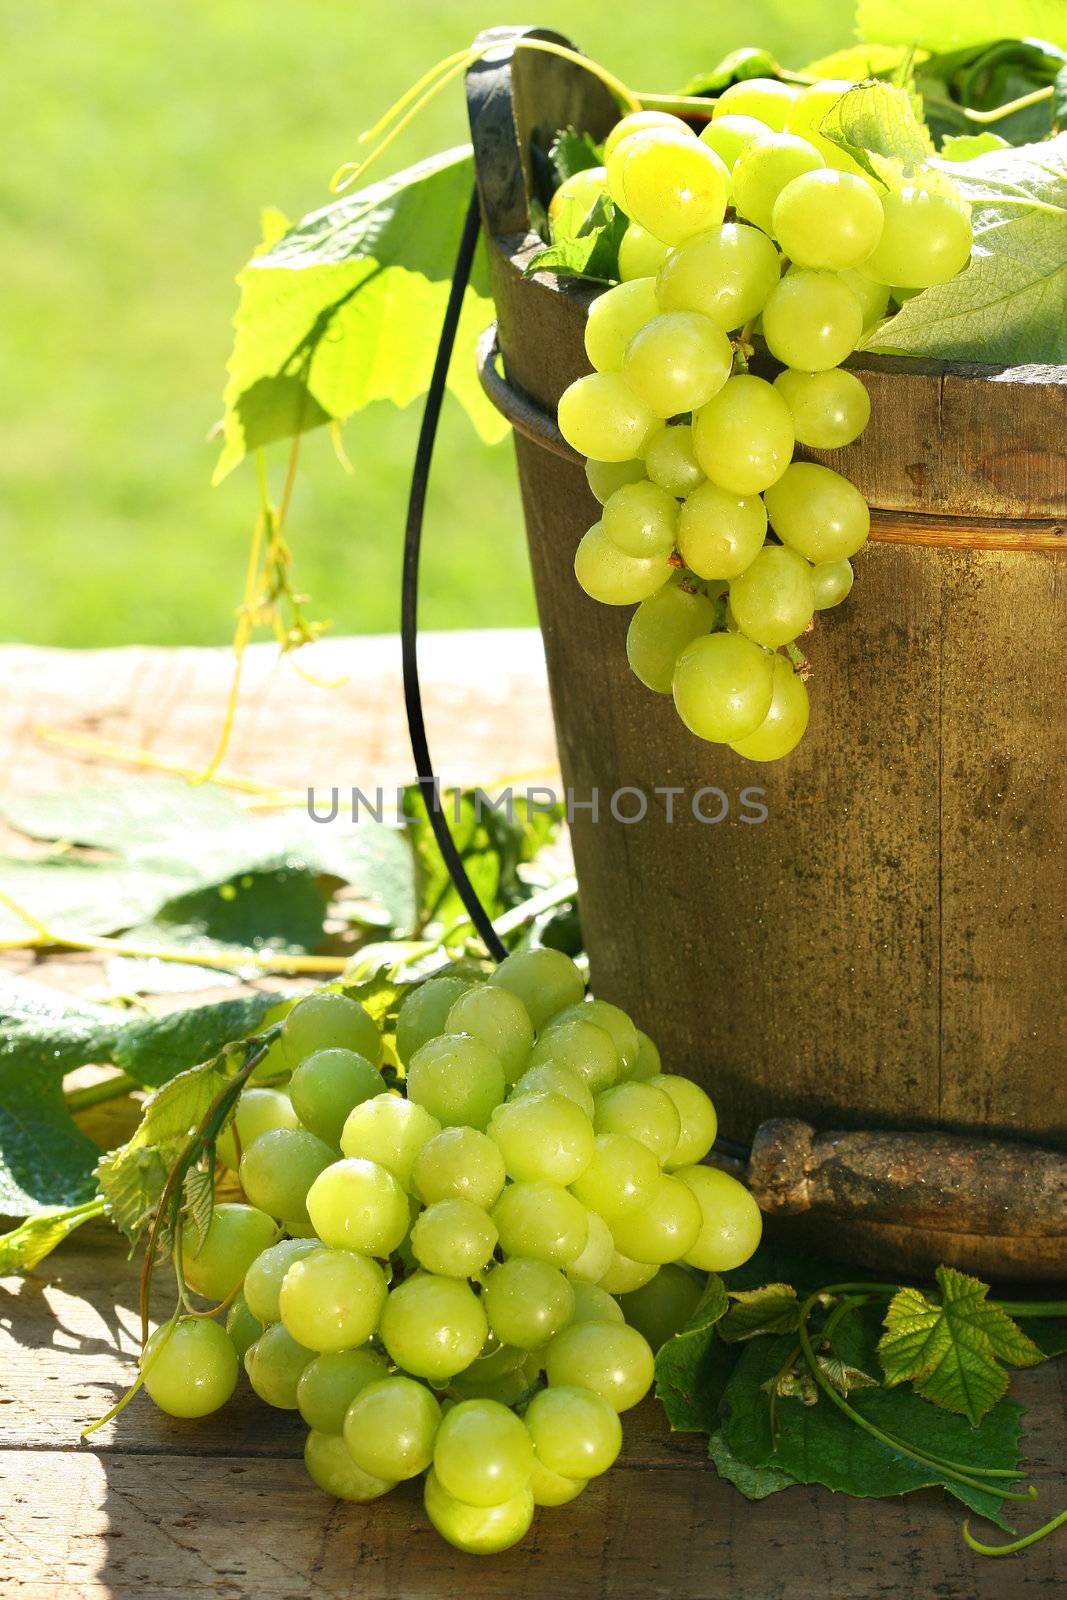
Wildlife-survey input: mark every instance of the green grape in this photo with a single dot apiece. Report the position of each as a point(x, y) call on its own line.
point(541, 1220)
point(774, 599)
point(833, 583)
point(527, 1302)
point(433, 1327)
point(829, 409)
point(614, 1021)
point(664, 1229)
point(614, 318)
point(659, 631)
point(619, 1178)
point(647, 1064)
point(274, 1364)
point(643, 1112)
point(326, 1086)
point(600, 416)
point(593, 1303)
point(662, 1307)
point(722, 687)
point(497, 1361)
point(926, 239)
point(329, 1384)
point(278, 1169)
point(812, 320)
point(549, 1078)
point(543, 1136)
point(327, 1021)
point(235, 1236)
point(508, 1389)
point(725, 275)
point(827, 219)
point(641, 520)
point(730, 134)
point(640, 254)
point(732, 1224)
point(762, 171)
point(873, 297)
point(243, 1328)
point(483, 1454)
point(263, 1280)
point(607, 1357)
point(767, 100)
point(697, 1115)
point(573, 201)
point(359, 1205)
point(258, 1111)
point(607, 574)
point(457, 1079)
point(390, 1428)
point(595, 1259)
point(478, 1530)
point(459, 1164)
point(332, 1299)
point(625, 1275)
point(189, 1367)
point(743, 438)
point(551, 1488)
point(391, 1131)
point(669, 459)
point(808, 113)
point(329, 1463)
point(500, 1020)
point(422, 1015)
point(672, 184)
point(545, 980)
point(299, 1230)
point(604, 477)
point(784, 725)
point(720, 533)
point(677, 361)
point(453, 1238)
point(638, 122)
point(580, 1045)
point(575, 1432)
point(818, 513)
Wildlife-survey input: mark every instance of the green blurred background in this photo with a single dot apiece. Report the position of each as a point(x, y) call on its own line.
point(140, 142)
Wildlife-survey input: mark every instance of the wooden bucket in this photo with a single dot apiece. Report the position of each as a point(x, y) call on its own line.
point(888, 949)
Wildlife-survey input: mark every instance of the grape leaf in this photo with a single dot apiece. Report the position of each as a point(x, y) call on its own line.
point(878, 119)
point(593, 253)
point(755, 1483)
point(819, 1444)
point(572, 152)
point(693, 1366)
point(950, 1351)
point(23, 1247)
point(1010, 304)
point(950, 24)
point(346, 308)
point(965, 146)
point(748, 62)
point(774, 1308)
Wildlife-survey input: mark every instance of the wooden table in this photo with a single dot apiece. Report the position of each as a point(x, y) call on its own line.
point(154, 1509)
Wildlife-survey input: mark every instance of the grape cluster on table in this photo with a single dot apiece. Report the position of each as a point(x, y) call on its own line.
point(726, 544)
point(466, 1275)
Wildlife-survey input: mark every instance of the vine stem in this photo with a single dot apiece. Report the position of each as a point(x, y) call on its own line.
point(1016, 1544)
point(94, 1094)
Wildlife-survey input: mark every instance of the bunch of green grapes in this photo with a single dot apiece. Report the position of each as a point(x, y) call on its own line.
point(466, 1277)
point(725, 543)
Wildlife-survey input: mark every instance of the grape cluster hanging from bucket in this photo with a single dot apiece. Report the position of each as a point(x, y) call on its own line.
point(725, 543)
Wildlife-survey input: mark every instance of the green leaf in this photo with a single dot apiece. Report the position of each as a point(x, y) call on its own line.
point(1008, 305)
point(950, 1351)
point(1049, 1337)
point(571, 152)
point(819, 1444)
point(693, 1366)
point(878, 119)
point(951, 24)
point(755, 1483)
point(155, 1049)
point(844, 1377)
point(965, 146)
point(346, 308)
point(593, 253)
point(858, 61)
point(45, 1159)
point(132, 1178)
point(748, 62)
point(772, 1309)
point(198, 1202)
point(39, 1235)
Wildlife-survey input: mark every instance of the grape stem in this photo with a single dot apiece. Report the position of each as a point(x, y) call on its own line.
point(1016, 1544)
point(95, 1094)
